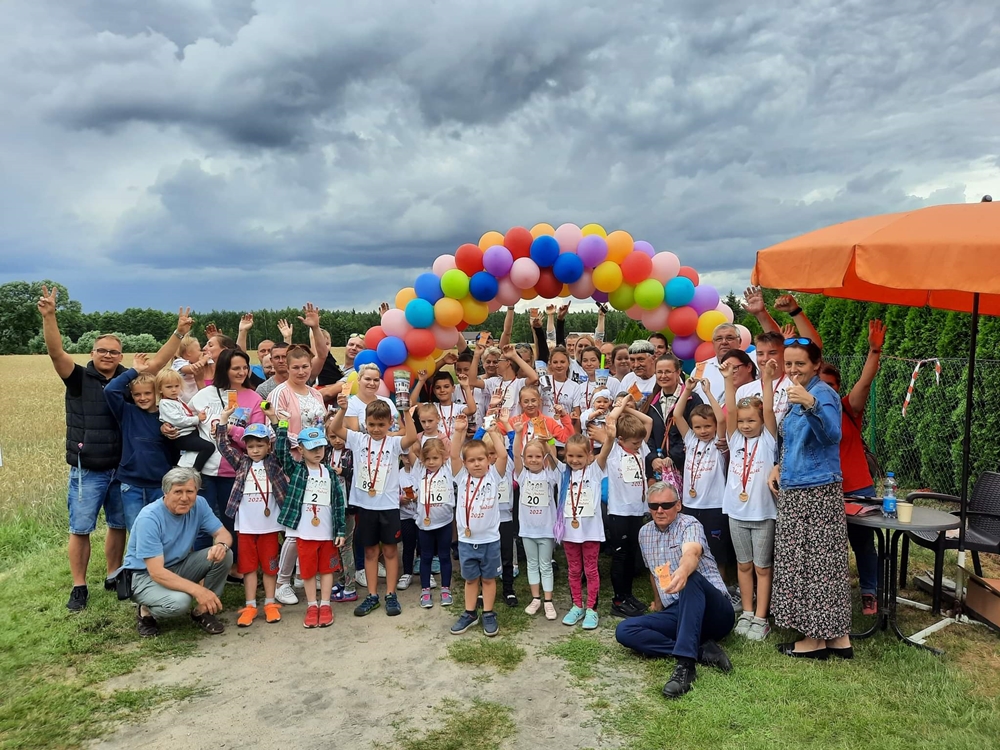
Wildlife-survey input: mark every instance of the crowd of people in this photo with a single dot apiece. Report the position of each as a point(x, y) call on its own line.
point(724, 485)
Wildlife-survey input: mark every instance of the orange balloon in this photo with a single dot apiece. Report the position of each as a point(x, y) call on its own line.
point(566, 292)
point(448, 312)
point(474, 311)
point(490, 239)
point(619, 245)
point(416, 364)
point(437, 353)
point(529, 293)
point(404, 297)
point(542, 229)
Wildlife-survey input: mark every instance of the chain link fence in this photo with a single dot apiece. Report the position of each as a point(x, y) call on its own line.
point(924, 447)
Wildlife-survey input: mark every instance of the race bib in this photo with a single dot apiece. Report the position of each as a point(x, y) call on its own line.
point(317, 490)
point(507, 393)
point(367, 483)
point(584, 505)
point(631, 471)
point(535, 494)
point(435, 493)
point(504, 492)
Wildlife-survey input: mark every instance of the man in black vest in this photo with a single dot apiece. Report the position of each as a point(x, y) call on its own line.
point(93, 443)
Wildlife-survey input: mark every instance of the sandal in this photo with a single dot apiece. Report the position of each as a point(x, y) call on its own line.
point(209, 623)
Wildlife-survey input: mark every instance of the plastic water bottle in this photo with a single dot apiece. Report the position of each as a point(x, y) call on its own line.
point(889, 495)
point(658, 475)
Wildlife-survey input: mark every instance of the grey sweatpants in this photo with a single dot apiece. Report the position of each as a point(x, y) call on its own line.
point(163, 602)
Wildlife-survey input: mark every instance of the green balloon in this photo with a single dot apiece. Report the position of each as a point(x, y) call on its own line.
point(623, 297)
point(455, 284)
point(649, 294)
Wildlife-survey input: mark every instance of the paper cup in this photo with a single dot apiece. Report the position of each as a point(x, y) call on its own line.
point(401, 385)
point(904, 512)
point(601, 378)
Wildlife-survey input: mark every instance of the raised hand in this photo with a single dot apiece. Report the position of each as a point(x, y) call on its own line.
point(504, 416)
point(876, 334)
point(461, 424)
point(285, 329)
point(789, 331)
point(797, 393)
point(246, 322)
point(509, 353)
point(785, 303)
point(47, 302)
point(770, 369)
point(693, 382)
point(184, 321)
point(450, 358)
point(753, 300)
point(422, 376)
point(463, 381)
point(550, 310)
point(559, 411)
point(536, 321)
point(140, 362)
point(725, 369)
point(342, 399)
point(597, 433)
point(310, 319)
point(383, 308)
point(563, 310)
point(211, 330)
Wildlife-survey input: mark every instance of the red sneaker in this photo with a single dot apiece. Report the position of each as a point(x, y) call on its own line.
point(312, 617)
point(325, 616)
point(869, 605)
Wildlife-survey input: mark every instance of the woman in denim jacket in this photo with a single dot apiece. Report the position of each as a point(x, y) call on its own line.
point(812, 591)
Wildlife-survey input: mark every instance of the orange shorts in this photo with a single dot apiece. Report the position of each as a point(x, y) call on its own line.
point(258, 550)
point(318, 556)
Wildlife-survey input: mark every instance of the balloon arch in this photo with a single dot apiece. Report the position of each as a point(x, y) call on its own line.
point(462, 289)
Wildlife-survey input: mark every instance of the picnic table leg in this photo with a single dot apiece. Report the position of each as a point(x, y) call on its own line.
point(881, 619)
point(894, 548)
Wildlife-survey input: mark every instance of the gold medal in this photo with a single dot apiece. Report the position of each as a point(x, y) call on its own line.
point(315, 521)
point(744, 497)
point(693, 492)
point(427, 522)
point(371, 492)
point(468, 532)
point(575, 524)
point(267, 511)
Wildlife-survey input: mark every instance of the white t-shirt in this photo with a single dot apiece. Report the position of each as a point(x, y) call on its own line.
point(190, 387)
point(576, 372)
point(446, 417)
point(566, 393)
point(645, 385)
point(507, 493)
point(709, 369)
point(781, 387)
point(250, 518)
point(703, 471)
point(478, 507)
point(383, 458)
point(755, 457)
point(511, 391)
point(435, 496)
point(356, 408)
point(627, 481)
point(317, 487)
point(584, 497)
point(537, 511)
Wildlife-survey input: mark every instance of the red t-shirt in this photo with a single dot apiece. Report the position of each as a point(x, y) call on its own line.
point(853, 463)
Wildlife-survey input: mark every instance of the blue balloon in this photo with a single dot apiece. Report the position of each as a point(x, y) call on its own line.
point(687, 365)
point(428, 287)
point(392, 351)
point(369, 357)
point(483, 286)
point(420, 313)
point(545, 250)
point(568, 268)
point(680, 291)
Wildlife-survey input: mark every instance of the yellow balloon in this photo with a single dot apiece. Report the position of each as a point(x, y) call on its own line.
point(619, 245)
point(404, 297)
point(416, 364)
point(474, 311)
point(352, 381)
point(594, 229)
point(566, 291)
point(707, 322)
point(437, 353)
point(542, 229)
point(607, 277)
point(490, 239)
point(448, 312)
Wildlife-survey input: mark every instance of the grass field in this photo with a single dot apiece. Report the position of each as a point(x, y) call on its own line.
point(54, 666)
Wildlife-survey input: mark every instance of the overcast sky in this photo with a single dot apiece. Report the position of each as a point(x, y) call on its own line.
point(236, 154)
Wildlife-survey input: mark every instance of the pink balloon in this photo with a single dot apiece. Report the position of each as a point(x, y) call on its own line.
point(635, 312)
point(443, 263)
point(394, 323)
point(644, 247)
point(725, 310)
point(524, 273)
point(583, 287)
point(568, 236)
point(665, 266)
point(444, 337)
point(656, 319)
point(494, 304)
point(745, 337)
point(508, 294)
point(383, 389)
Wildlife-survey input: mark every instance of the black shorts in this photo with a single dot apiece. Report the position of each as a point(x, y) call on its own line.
point(716, 525)
point(374, 527)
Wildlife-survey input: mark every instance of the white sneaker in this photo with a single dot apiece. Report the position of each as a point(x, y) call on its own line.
point(286, 594)
point(434, 584)
point(297, 583)
point(381, 570)
point(404, 582)
point(361, 578)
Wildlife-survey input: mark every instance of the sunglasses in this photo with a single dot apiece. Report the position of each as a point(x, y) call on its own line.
point(749, 401)
point(355, 336)
point(662, 506)
point(804, 342)
point(111, 352)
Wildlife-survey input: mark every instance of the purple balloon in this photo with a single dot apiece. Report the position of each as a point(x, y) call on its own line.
point(498, 260)
point(593, 250)
point(685, 346)
point(644, 247)
point(600, 296)
point(705, 299)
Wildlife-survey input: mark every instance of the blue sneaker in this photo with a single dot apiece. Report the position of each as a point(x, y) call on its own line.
point(490, 625)
point(337, 588)
point(416, 565)
point(466, 621)
point(573, 616)
point(369, 604)
point(590, 620)
point(446, 599)
point(392, 607)
point(345, 595)
point(435, 565)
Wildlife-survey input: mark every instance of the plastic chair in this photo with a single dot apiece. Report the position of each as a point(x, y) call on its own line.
point(982, 533)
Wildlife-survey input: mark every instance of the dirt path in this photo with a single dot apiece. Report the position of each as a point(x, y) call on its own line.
point(351, 686)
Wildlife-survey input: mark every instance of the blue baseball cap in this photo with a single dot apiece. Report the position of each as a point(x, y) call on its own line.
point(257, 430)
point(312, 437)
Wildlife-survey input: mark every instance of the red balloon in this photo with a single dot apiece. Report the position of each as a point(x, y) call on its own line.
point(462, 326)
point(518, 240)
point(689, 273)
point(373, 336)
point(683, 321)
point(636, 267)
point(469, 259)
point(704, 351)
point(420, 342)
point(548, 286)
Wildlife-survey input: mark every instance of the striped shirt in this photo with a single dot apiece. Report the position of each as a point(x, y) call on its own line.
point(659, 547)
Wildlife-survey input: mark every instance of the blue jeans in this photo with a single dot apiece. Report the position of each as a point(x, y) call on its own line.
point(435, 542)
point(135, 499)
point(89, 491)
point(862, 541)
point(216, 490)
point(702, 613)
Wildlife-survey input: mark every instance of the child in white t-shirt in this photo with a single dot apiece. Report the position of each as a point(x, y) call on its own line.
point(752, 428)
point(535, 469)
point(435, 512)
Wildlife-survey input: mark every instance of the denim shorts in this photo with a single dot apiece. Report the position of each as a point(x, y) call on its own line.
point(89, 491)
point(480, 560)
point(135, 499)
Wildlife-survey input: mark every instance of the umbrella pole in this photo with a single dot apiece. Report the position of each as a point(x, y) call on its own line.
point(967, 449)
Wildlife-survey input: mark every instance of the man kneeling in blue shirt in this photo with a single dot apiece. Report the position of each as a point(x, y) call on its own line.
point(691, 608)
point(165, 571)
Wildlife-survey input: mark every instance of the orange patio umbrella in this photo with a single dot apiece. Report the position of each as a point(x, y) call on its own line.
point(946, 257)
